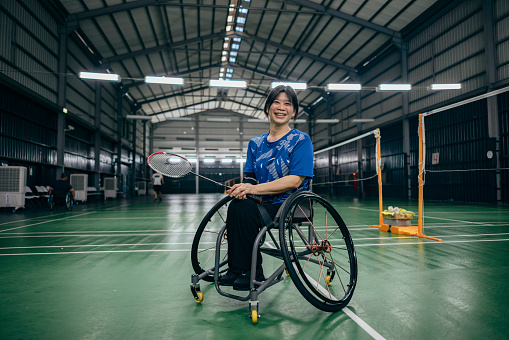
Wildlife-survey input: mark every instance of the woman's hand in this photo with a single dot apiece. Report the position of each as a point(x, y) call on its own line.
point(239, 191)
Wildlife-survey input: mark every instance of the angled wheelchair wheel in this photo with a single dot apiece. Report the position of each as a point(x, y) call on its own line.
point(203, 250)
point(69, 202)
point(51, 203)
point(318, 251)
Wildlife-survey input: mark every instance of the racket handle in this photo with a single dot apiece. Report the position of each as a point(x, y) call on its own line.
point(255, 198)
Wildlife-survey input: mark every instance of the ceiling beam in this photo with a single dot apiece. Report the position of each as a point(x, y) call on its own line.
point(145, 3)
point(346, 17)
point(145, 51)
point(182, 93)
point(295, 52)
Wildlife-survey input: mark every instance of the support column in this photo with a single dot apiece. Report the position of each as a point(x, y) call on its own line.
point(61, 99)
point(403, 47)
point(197, 139)
point(360, 170)
point(120, 120)
point(132, 182)
point(97, 137)
point(492, 101)
point(329, 137)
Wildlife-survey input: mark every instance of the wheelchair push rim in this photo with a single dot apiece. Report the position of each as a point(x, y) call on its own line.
point(318, 251)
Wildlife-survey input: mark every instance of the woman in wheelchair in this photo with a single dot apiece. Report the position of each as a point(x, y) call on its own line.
point(278, 163)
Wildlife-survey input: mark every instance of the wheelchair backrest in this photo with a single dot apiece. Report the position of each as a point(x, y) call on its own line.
point(303, 212)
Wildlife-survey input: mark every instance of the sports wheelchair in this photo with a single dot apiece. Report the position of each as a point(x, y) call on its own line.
point(60, 198)
point(313, 241)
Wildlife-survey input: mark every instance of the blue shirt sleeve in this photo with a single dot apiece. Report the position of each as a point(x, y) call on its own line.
point(301, 163)
point(250, 159)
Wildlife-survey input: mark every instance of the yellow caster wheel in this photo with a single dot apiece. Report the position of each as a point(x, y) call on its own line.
point(254, 316)
point(328, 280)
point(200, 297)
point(287, 273)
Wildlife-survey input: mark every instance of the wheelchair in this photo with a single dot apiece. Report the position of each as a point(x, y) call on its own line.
point(60, 198)
point(309, 236)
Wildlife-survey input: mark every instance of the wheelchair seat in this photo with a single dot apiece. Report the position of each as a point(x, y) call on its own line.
point(309, 236)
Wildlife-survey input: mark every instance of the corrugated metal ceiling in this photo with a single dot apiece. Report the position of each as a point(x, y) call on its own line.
point(316, 42)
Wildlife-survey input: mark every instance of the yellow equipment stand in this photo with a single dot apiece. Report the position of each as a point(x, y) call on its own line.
point(403, 230)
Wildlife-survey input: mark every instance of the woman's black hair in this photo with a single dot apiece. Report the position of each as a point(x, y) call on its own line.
point(290, 92)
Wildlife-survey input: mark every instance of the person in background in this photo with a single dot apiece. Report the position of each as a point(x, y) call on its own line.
point(278, 163)
point(62, 185)
point(157, 180)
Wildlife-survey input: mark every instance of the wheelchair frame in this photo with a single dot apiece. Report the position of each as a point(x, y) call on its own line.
point(65, 197)
point(295, 246)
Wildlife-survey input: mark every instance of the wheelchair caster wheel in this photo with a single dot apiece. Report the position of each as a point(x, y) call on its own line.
point(200, 297)
point(254, 316)
point(328, 280)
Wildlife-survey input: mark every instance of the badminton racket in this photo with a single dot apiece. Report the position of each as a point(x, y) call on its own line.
point(175, 166)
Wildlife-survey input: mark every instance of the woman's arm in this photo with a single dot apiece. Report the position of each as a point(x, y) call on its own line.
point(278, 186)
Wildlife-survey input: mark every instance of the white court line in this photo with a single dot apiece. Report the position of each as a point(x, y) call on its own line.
point(58, 219)
point(436, 218)
point(374, 334)
point(101, 245)
point(101, 252)
point(29, 219)
point(187, 250)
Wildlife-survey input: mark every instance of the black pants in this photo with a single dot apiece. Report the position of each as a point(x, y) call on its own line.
point(243, 223)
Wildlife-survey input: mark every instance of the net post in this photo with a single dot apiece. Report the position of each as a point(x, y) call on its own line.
point(421, 175)
point(379, 172)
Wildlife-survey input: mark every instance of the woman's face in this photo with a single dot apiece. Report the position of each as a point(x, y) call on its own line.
point(281, 110)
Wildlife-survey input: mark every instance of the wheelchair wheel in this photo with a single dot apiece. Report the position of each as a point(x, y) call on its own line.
point(318, 251)
point(51, 203)
point(203, 249)
point(69, 202)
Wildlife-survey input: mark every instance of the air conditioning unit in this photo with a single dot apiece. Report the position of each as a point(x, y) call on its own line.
point(142, 188)
point(13, 180)
point(110, 187)
point(79, 183)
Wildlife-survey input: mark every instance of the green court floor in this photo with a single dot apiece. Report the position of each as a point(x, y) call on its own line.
point(121, 270)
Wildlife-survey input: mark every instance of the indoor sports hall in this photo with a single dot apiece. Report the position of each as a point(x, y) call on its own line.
point(134, 138)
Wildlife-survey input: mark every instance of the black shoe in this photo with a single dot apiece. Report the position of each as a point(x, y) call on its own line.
point(243, 281)
point(228, 278)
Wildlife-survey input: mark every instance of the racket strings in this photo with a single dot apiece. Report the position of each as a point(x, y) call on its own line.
point(170, 165)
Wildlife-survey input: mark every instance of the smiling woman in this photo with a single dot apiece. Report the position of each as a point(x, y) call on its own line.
point(279, 163)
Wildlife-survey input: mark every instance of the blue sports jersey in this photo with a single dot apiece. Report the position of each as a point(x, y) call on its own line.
point(290, 155)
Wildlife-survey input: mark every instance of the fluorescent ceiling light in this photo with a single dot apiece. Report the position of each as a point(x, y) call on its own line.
point(394, 87)
point(295, 86)
point(99, 76)
point(326, 121)
point(209, 160)
point(226, 160)
point(219, 120)
point(362, 120)
point(241, 84)
point(182, 119)
point(445, 87)
point(164, 80)
point(255, 120)
point(240, 160)
point(297, 121)
point(344, 87)
point(192, 160)
point(139, 117)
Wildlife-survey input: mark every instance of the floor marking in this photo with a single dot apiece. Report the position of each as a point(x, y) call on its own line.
point(100, 252)
point(29, 219)
point(100, 245)
point(426, 242)
point(374, 334)
point(58, 219)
